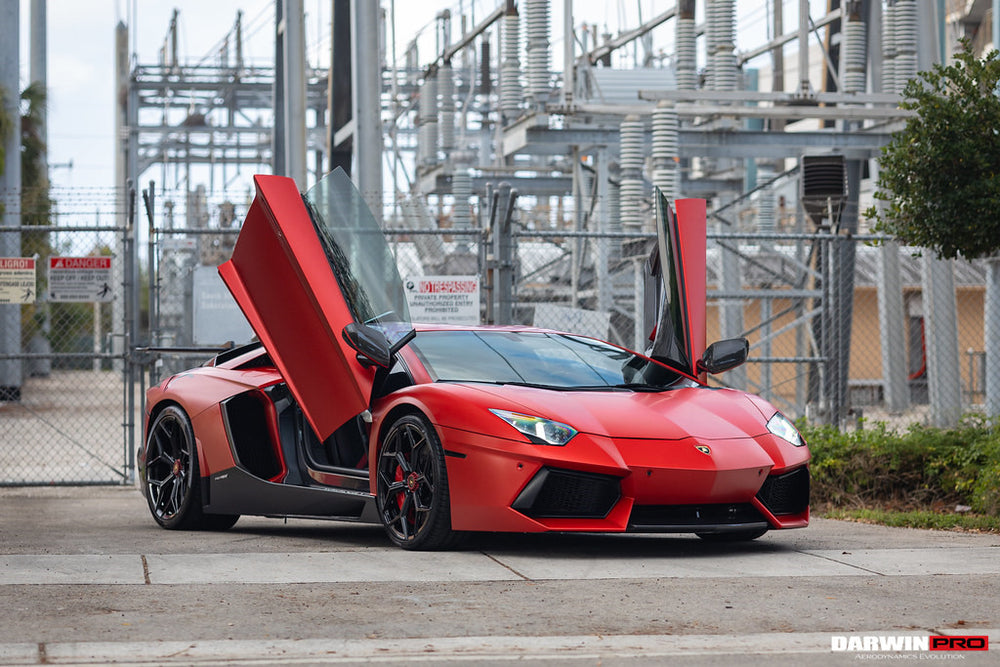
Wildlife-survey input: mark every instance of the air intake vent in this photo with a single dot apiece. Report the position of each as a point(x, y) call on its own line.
point(249, 434)
point(568, 494)
point(683, 518)
point(786, 494)
point(823, 185)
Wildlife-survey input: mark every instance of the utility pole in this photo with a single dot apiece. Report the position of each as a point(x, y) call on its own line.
point(339, 88)
point(991, 313)
point(39, 73)
point(805, 89)
point(122, 172)
point(38, 64)
point(11, 369)
point(295, 91)
point(367, 85)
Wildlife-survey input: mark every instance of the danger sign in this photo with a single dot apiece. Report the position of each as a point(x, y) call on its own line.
point(81, 279)
point(17, 280)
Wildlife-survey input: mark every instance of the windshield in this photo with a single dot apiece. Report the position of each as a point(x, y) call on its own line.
point(359, 256)
point(550, 360)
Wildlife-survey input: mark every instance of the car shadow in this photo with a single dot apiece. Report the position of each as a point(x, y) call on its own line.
point(340, 533)
point(345, 536)
point(585, 546)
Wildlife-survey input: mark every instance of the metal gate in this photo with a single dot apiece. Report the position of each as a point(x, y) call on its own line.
point(66, 293)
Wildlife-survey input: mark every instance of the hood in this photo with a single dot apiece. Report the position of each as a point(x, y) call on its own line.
point(700, 412)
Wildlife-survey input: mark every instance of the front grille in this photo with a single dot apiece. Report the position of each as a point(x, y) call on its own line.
point(554, 493)
point(787, 493)
point(675, 517)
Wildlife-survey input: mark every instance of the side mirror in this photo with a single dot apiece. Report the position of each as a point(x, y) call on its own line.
point(724, 355)
point(370, 344)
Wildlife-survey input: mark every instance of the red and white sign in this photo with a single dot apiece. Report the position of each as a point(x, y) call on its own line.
point(443, 299)
point(17, 280)
point(80, 263)
point(81, 279)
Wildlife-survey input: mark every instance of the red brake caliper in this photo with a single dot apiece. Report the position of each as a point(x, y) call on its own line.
point(398, 477)
point(412, 482)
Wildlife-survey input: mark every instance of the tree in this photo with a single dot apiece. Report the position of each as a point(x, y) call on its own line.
point(939, 178)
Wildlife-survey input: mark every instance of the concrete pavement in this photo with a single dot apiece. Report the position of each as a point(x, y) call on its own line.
point(86, 577)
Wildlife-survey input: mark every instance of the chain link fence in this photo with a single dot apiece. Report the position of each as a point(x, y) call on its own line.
point(63, 295)
point(840, 328)
point(822, 339)
point(191, 315)
point(765, 290)
point(826, 340)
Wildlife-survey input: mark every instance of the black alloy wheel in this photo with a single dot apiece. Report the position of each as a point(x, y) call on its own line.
point(412, 486)
point(172, 483)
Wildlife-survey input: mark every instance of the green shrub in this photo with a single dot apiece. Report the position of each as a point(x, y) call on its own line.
point(923, 467)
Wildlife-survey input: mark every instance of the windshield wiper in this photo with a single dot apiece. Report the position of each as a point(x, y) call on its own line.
point(503, 382)
point(631, 386)
point(639, 386)
point(535, 385)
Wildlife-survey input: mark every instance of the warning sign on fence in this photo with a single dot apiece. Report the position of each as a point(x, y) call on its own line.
point(17, 280)
point(82, 279)
point(443, 299)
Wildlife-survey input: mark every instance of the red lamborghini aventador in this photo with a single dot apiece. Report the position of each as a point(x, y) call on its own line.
point(345, 410)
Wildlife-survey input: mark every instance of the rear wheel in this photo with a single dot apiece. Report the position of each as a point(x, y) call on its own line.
point(172, 484)
point(733, 536)
point(412, 486)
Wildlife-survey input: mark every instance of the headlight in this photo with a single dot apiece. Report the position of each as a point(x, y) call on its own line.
point(780, 426)
point(539, 431)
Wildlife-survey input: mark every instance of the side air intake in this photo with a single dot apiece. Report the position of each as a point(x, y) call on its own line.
point(568, 494)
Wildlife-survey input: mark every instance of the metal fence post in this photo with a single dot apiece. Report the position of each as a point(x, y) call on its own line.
point(818, 389)
point(503, 239)
point(892, 329)
point(131, 311)
point(843, 303)
point(731, 310)
point(991, 336)
point(944, 384)
point(638, 308)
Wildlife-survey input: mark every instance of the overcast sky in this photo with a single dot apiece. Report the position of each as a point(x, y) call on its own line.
point(81, 53)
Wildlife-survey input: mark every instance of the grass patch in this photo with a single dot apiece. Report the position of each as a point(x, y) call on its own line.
point(919, 519)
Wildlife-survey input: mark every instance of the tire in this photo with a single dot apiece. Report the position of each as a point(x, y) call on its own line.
point(734, 536)
point(172, 484)
point(412, 486)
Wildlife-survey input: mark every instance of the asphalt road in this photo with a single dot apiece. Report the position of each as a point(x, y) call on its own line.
point(86, 577)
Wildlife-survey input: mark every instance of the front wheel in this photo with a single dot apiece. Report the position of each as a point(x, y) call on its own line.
point(172, 483)
point(412, 486)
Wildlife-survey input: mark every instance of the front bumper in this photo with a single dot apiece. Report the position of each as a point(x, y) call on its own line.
point(599, 485)
point(567, 494)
